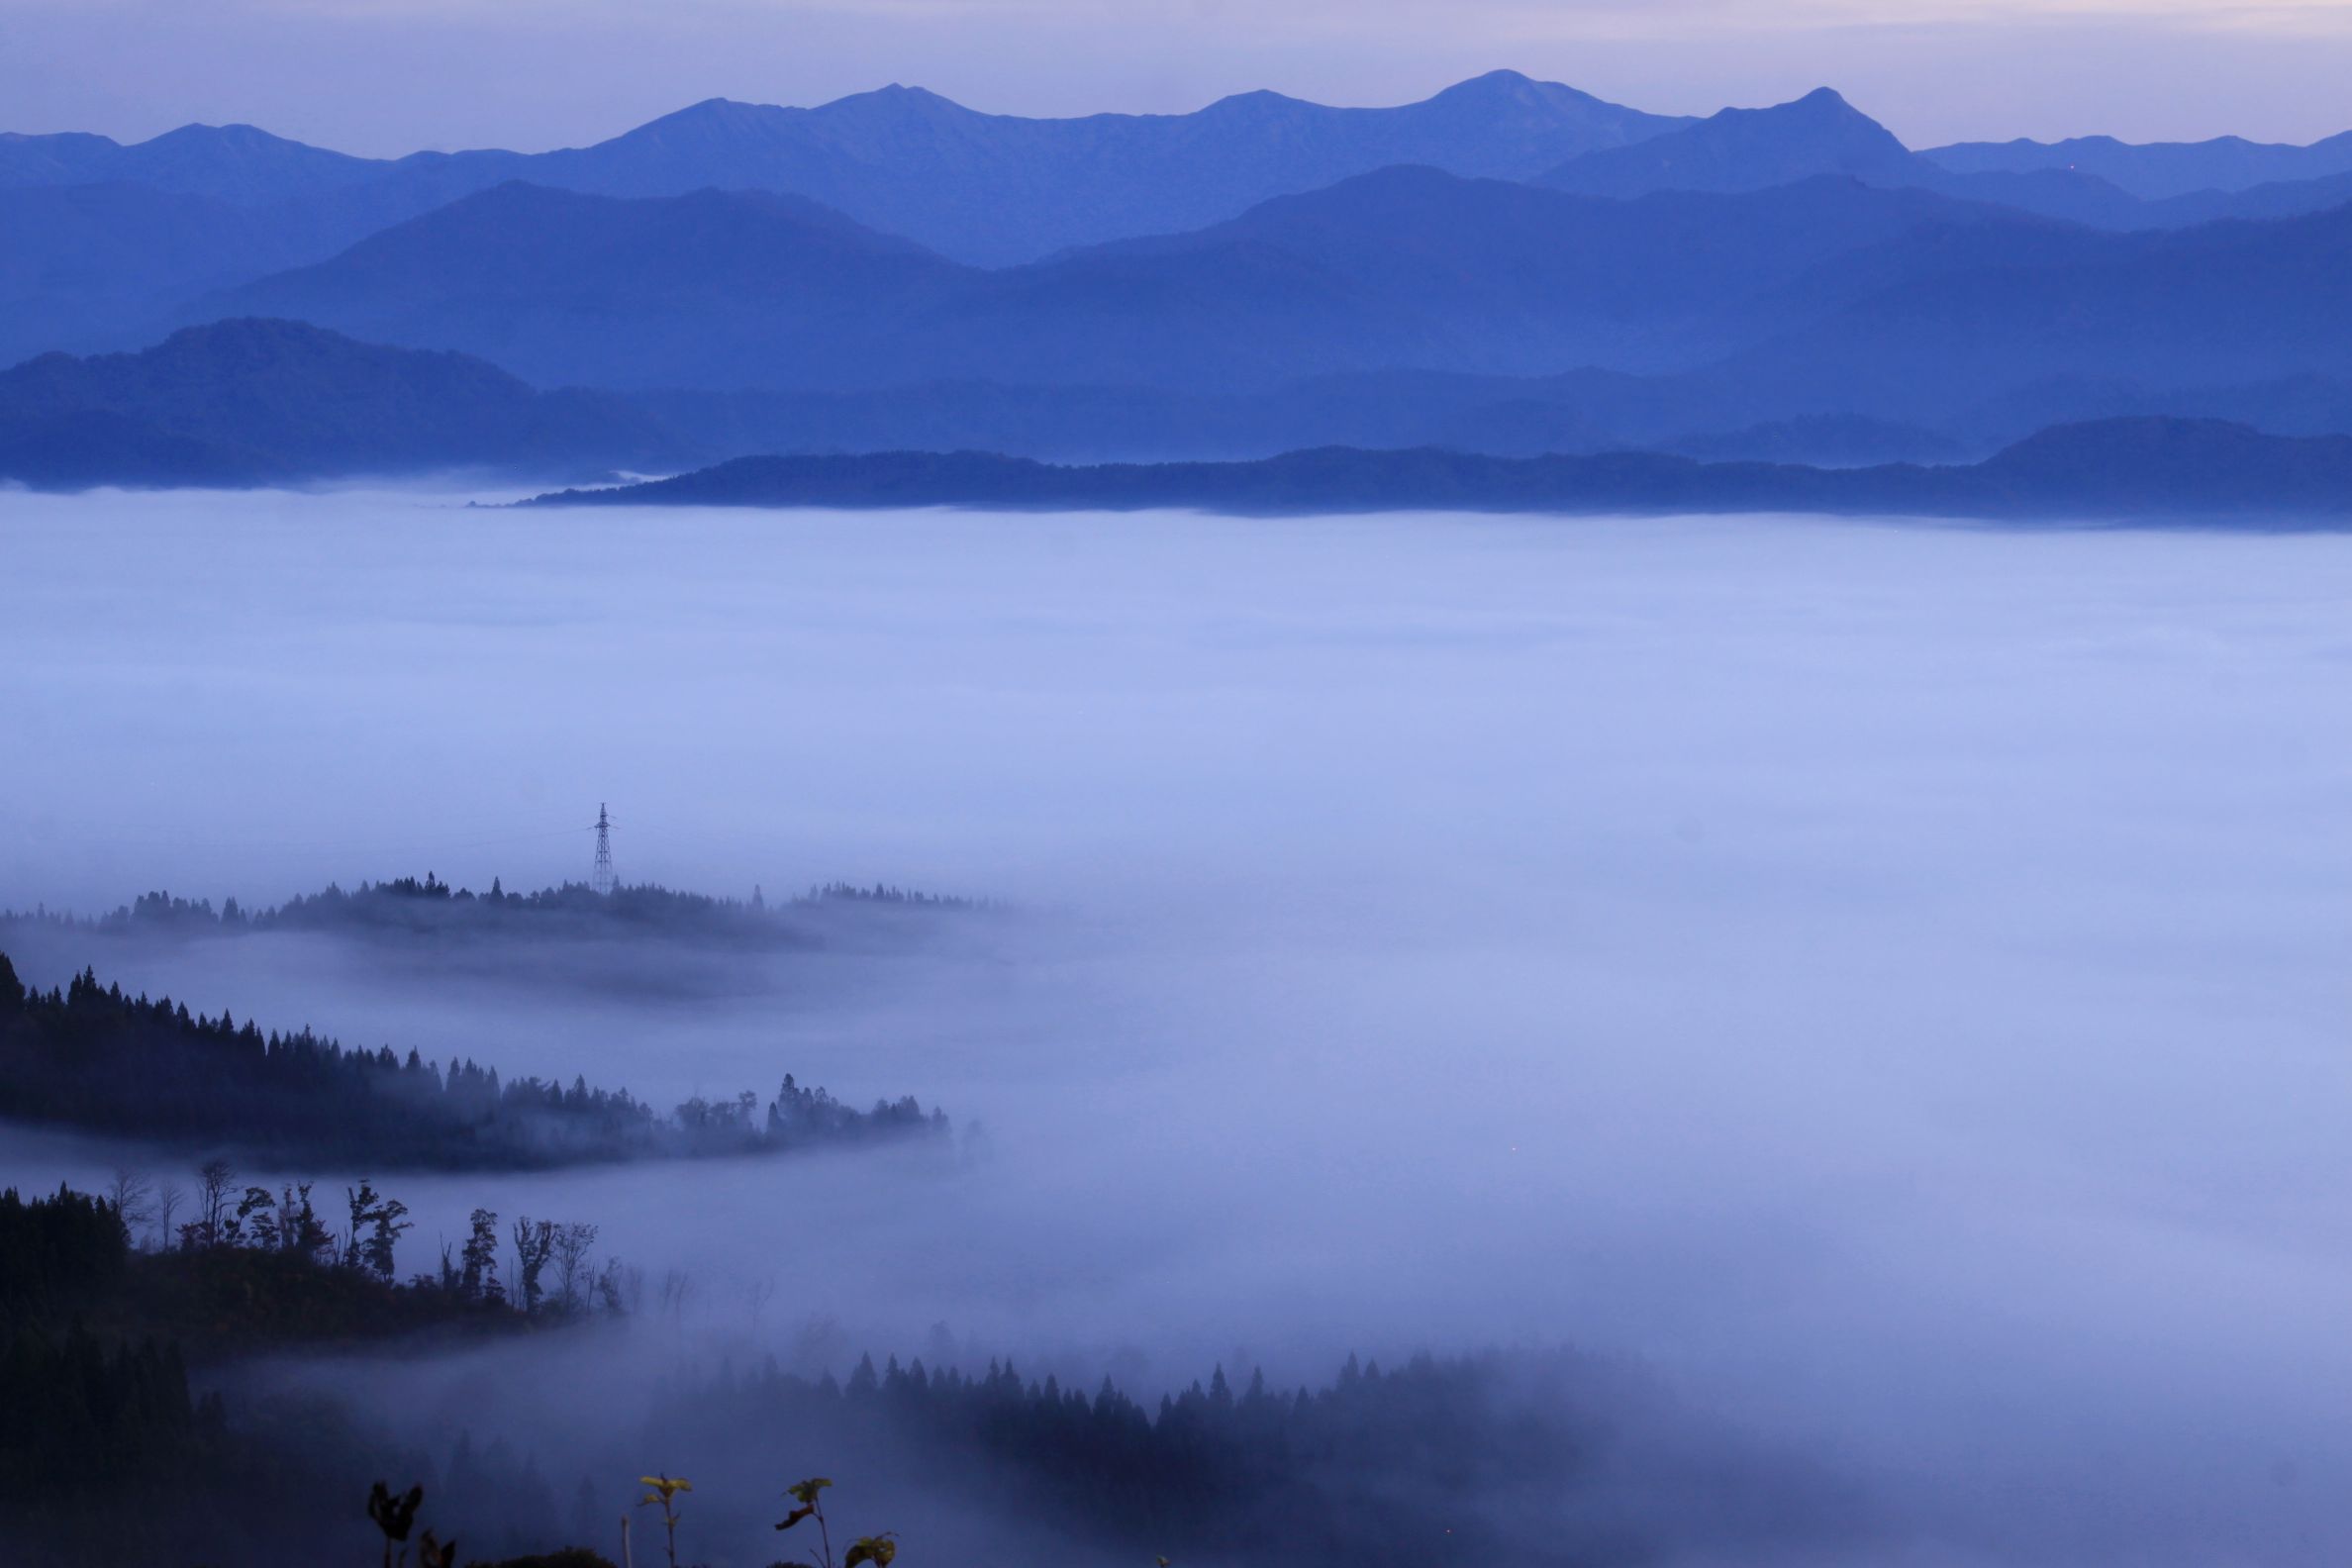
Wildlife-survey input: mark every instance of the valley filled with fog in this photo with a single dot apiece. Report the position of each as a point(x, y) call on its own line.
point(1880, 987)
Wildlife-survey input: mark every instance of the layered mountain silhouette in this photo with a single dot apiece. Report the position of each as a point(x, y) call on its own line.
point(103, 245)
point(1966, 315)
point(2157, 170)
point(708, 289)
point(994, 189)
point(86, 267)
point(1827, 296)
point(1510, 268)
point(259, 402)
point(987, 189)
point(237, 163)
point(248, 402)
point(1745, 149)
point(1401, 269)
point(1748, 149)
point(2147, 469)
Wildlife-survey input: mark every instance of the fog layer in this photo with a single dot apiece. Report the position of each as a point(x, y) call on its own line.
point(1888, 978)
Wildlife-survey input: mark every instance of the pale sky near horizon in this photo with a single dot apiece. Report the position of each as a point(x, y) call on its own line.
point(389, 76)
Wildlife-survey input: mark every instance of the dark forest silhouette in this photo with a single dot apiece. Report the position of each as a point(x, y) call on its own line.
point(426, 904)
point(107, 1455)
point(87, 1056)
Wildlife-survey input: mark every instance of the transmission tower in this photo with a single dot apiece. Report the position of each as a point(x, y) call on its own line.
point(603, 851)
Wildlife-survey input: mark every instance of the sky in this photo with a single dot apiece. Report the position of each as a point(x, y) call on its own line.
point(388, 76)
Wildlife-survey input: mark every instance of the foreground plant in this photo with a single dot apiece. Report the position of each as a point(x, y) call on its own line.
point(809, 1494)
point(663, 1490)
point(395, 1517)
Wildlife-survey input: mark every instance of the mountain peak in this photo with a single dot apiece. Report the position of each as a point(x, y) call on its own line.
point(1258, 102)
point(1740, 149)
point(897, 102)
point(712, 116)
point(1824, 110)
point(237, 135)
point(1510, 87)
point(911, 97)
point(1506, 78)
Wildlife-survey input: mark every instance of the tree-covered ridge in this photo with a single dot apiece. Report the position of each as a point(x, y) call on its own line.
point(428, 905)
point(1373, 1466)
point(1526, 1456)
point(107, 1456)
point(80, 1412)
point(88, 1056)
point(1522, 1456)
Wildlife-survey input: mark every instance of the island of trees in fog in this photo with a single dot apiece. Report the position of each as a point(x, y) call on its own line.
point(86, 1056)
point(428, 905)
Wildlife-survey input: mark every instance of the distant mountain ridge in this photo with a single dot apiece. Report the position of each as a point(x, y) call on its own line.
point(1825, 297)
point(1747, 150)
point(2149, 471)
point(1786, 283)
point(986, 189)
point(252, 402)
point(1401, 268)
point(2156, 171)
point(103, 245)
point(1969, 315)
point(233, 163)
point(245, 402)
point(258, 402)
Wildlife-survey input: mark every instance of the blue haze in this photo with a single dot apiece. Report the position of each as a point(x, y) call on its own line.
point(1886, 978)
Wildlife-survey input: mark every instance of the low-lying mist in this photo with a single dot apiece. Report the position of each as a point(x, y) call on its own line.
point(1885, 983)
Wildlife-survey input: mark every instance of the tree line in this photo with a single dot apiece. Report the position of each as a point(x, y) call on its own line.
point(426, 904)
point(106, 1455)
point(106, 1458)
point(85, 1055)
point(1376, 1466)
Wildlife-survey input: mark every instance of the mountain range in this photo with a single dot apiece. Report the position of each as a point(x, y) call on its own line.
point(102, 246)
point(254, 401)
point(1746, 150)
point(1823, 296)
point(2142, 470)
point(1402, 268)
point(258, 402)
point(1511, 267)
point(985, 189)
point(2155, 171)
